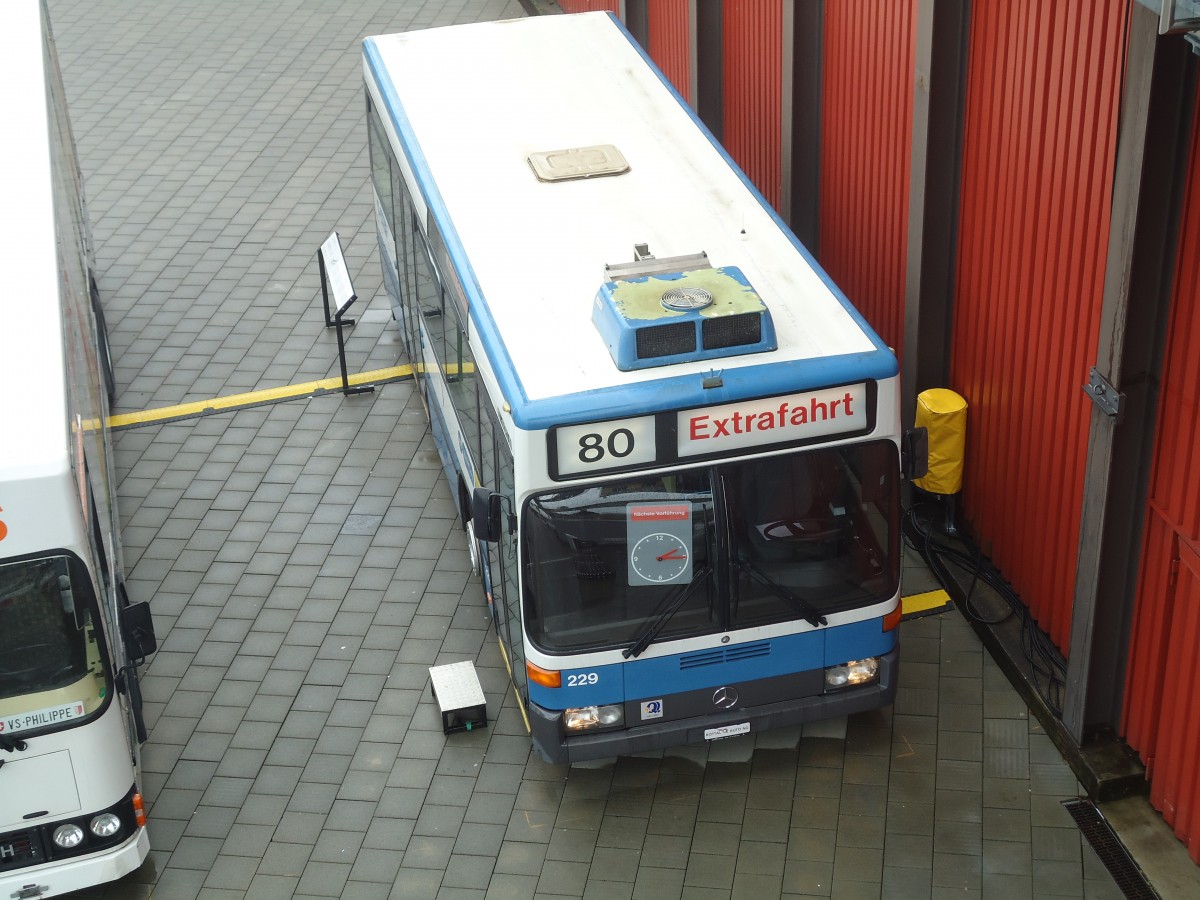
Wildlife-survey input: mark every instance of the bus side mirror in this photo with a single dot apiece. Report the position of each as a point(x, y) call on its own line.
point(137, 628)
point(914, 453)
point(486, 515)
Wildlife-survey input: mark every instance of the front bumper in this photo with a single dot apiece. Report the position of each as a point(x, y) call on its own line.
point(554, 747)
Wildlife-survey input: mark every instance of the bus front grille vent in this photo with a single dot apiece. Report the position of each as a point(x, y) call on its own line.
point(20, 848)
point(657, 312)
point(722, 655)
point(748, 651)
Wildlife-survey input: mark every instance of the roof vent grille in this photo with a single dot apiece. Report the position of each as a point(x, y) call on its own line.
point(656, 312)
point(731, 331)
point(665, 340)
point(683, 299)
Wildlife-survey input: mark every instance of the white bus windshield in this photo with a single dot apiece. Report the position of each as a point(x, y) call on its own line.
point(730, 546)
point(51, 661)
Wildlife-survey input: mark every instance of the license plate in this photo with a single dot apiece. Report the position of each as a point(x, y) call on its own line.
point(41, 717)
point(716, 734)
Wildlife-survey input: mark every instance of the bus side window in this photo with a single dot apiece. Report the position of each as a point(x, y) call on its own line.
point(402, 234)
point(381, 156)
point(430, 297)
point(461, 377)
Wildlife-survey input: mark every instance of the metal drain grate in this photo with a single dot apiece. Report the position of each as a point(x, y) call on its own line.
point(1111, 852)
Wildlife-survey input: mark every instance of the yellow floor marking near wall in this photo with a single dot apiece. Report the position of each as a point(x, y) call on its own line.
point(255, 398)
point(925, 604)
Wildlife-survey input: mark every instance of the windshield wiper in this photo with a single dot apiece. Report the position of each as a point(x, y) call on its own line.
point(801, 606)
point(12, 744)
point(655, 625)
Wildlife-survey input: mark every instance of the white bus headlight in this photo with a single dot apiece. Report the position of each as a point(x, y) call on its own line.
point(105, 825)
point(68, 836)
point(588, 717)
point(857, 671)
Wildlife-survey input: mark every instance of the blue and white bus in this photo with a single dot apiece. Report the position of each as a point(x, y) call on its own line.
point(674, 443)
point(71, 809)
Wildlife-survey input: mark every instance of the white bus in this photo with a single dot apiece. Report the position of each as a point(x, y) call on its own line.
point(70, 712)
point(675, 444)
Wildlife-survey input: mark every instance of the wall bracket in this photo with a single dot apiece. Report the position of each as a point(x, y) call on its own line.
point(1104, 395)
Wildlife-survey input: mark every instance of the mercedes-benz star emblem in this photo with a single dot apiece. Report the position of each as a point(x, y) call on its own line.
point(725, 697)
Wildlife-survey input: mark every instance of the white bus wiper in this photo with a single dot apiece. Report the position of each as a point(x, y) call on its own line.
point(12, 745)
point(650, 632)
point(801, 606)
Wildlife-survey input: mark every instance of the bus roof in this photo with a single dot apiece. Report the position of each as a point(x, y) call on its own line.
point(472, 103)
point(33, 401)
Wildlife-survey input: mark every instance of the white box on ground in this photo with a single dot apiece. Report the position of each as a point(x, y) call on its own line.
point(459, 695)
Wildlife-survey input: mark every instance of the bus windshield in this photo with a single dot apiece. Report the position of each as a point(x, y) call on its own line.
point(51, 661)
point(734, 545)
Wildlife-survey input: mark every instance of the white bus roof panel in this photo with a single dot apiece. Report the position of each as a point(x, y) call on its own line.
point(32, 406)
point(481, 99)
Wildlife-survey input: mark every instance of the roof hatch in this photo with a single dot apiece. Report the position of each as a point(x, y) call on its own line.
point(656, 312)
point(578, 162)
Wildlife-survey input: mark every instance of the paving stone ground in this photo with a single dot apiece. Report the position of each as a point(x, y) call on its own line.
point(305, 566)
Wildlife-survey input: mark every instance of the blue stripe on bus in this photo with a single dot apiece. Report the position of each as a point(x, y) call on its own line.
point(666, 675)
point(857, 640)
point(685, 391)
point(667, 393)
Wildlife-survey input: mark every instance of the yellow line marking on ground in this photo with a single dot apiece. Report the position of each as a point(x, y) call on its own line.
point(256, 398)
point(924, 603)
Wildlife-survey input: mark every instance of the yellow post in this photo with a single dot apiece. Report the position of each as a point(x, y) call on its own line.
point(944, 414)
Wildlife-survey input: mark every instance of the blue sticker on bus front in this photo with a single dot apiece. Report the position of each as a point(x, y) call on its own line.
point(652, 709)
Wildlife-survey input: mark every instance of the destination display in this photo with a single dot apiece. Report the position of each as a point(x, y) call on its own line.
point(639, 442)
point(796, 417)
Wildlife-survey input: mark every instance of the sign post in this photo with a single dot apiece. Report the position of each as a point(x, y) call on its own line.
point(335, 279)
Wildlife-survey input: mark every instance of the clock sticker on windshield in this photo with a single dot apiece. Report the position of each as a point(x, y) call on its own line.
point(659, 558)
point(659, 538)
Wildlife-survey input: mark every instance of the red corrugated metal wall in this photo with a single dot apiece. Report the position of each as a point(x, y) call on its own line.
point(575, 6)
point(1043, 82)
point(752, 43)
point(1162, 697)
point(866, 148)
point(668, 39)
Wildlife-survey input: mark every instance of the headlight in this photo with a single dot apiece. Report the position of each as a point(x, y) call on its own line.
point(68, 836)
point(105, 825)
point(857, 671)
point(588, 717)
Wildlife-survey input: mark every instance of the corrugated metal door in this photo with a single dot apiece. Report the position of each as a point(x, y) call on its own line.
point(866, 148)
point(1147, 647)
point(1162, 697)
point(1174, 790)
point(1038, 152)
point(752, 45)
point(667, 24)
point(1163, 718)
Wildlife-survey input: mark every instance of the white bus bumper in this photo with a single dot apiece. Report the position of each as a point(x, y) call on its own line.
point(52, 879)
